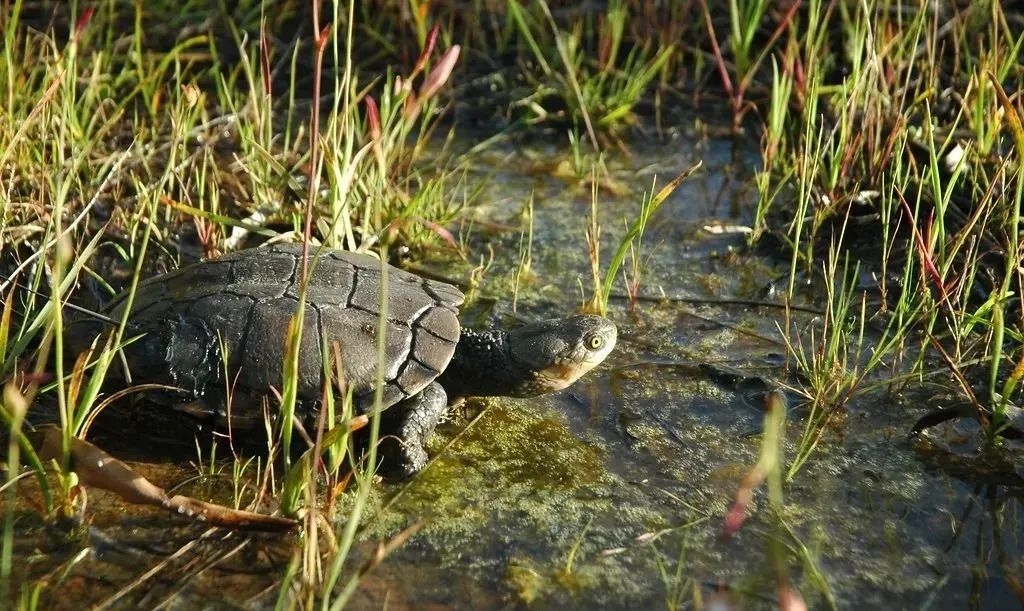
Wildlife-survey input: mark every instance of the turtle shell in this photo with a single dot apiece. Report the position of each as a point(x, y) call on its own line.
point(232, 315)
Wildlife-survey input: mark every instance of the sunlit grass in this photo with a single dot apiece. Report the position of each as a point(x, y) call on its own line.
point(630, 246)
point(599, 91)
point(120, 136)
point(180, 107)
point(938, 190)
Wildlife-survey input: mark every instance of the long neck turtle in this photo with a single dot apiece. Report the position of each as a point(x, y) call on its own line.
point(220, 326)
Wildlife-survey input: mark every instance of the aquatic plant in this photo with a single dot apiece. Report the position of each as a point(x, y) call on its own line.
point(871, 152)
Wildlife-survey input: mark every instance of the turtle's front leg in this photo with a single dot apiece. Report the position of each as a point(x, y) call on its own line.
point(418, 417)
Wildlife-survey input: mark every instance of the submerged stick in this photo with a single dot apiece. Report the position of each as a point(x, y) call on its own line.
point(97, 469)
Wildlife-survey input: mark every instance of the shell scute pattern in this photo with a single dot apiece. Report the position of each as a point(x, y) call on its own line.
point(245, 301)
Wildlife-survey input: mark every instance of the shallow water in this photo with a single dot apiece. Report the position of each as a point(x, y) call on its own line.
point(611, 494)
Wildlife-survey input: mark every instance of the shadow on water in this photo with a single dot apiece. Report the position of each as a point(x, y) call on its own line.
point(594, 496)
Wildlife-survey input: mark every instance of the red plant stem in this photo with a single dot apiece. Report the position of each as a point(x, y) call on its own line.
point(314, 137)
point(719, 60)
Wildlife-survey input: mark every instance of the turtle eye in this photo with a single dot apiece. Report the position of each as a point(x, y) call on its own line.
point(594, 342)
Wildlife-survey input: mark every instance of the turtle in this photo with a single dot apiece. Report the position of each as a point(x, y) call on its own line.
point(220, 326)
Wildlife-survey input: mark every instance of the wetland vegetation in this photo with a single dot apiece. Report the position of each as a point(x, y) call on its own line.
point(804, 217)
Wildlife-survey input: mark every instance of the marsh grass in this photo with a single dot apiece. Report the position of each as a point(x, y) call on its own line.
point(745, 21)
point(524, 271)
point(630, 246)
point(598, 88)
point(678, 584)
point(911, 148)
point(112, 128)
point(123, 141)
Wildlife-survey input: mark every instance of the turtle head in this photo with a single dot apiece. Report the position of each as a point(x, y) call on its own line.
point(555, 353)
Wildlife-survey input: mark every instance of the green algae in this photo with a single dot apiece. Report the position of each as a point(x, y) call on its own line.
point(513, 496)
point(509, 455)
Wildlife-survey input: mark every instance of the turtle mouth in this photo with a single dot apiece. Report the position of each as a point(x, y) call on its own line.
point(562, 374)
point(559, 376)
